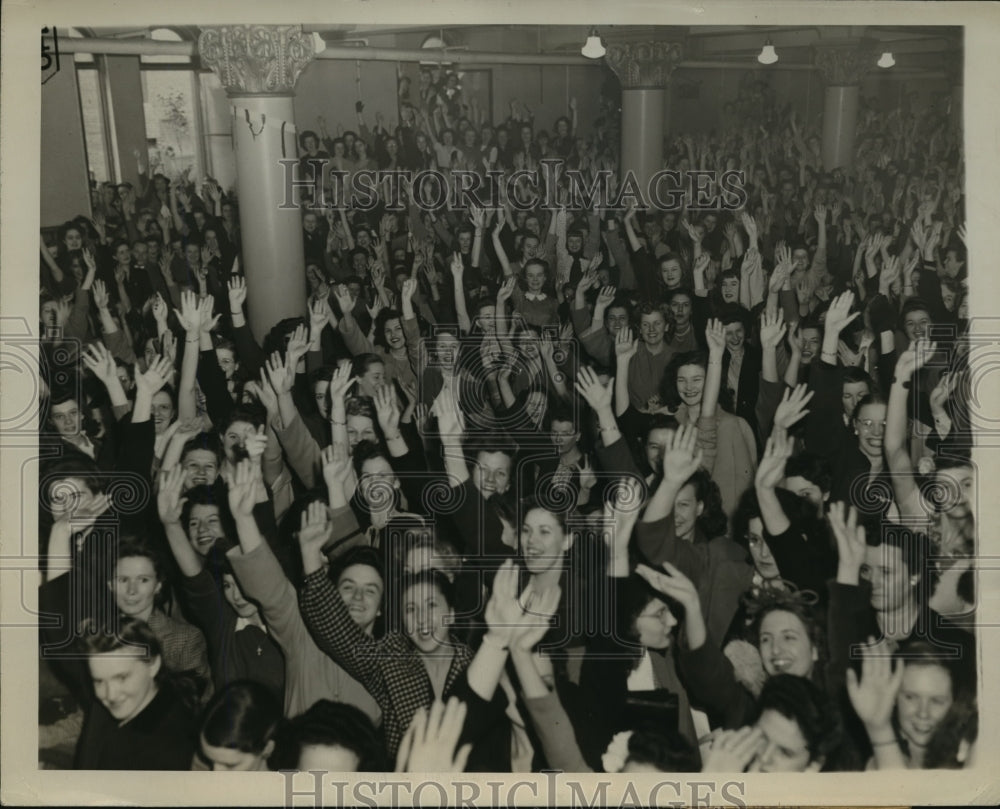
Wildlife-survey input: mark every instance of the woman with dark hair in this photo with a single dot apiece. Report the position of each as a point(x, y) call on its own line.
point(798, 729)
point(784, 634)
point(331, 737)
point(141, 719)
point(312, 165)
point(417, 662)
point(238, 728)
point(684, 524)
point(918, 707)
point(693, 382)
point(138, 587)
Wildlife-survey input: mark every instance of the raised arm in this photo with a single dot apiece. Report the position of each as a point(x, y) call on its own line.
point(189, 317)
point(715, 335)
point(681, 460)
point(169, 506)
point(897, 451)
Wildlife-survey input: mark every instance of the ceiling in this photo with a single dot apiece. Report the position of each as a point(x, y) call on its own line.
point(916, 47)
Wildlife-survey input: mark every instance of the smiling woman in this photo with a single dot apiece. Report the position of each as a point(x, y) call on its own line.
point(141, 720)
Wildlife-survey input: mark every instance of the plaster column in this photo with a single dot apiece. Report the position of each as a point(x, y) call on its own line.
point(644, 70)
point(843, 66)
point(258, 66)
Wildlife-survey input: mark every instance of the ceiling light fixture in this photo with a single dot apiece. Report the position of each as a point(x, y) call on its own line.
point(767, 55)
point(886, 60)
point(594, 48)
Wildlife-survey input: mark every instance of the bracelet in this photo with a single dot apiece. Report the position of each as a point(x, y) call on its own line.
point(339, 423)
point(236, 313)
point(609, 429)
point(395, 437)
point(191, 342)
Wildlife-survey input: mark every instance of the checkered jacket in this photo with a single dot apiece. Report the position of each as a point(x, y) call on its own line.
point(389, 668)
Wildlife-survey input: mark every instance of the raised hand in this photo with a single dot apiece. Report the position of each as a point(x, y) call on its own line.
point(445, 408)
point(457, 267)
point(168, 346)
point(683, 456)
point(672, 583)
point(101, 299)
point(942, 391)
point(319, 314)
point(159, 308)
point(336, 465)
point(264, 393)
point(874, 695)
point(596, 395)
point(715, 335)
point(282, 377)
point(169, 500)
point(625, 346)
point(750, 226)
point(255, 443)
point(190, 314)
point(387, 410)
point(298, 346)
point(341, 382)
point(237, 289)
point(100, 362)
point(506, 290)
point(242, 492)
point(344, 299)
point(839, 314)
point(606, 296)
point(772, 329)
point(430, 742)
point(314, 528)
point(155, 377)
point(732, 751)
point(916, 356)
point(208, 322)
point(850, 538)
point(778, 450)
point(792, 407)
point(409, 289)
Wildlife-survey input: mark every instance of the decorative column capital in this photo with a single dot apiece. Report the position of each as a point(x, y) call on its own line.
point(644, 64)
point(844, 63)
point(256, 59)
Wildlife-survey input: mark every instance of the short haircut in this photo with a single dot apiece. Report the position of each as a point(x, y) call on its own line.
point(206, 441)
point(243, 716)
point(330, 724)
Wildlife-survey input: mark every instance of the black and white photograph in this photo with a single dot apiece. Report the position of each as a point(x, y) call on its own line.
point(477, 404)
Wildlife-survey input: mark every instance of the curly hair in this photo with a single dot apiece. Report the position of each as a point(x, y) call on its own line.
point(712, 521)
point(807, 705)
point(665, 750)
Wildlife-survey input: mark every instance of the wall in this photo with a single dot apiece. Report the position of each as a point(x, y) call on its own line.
point(64, 182)
point(330, 87)
point(129, 121)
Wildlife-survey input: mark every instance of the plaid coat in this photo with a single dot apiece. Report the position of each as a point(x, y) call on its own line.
point(389, 668)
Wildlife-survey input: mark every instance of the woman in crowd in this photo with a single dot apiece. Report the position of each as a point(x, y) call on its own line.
point(418, 433)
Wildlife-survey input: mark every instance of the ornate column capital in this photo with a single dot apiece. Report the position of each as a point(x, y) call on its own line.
point(644, 64)
point(844, 63)
point(257, 59)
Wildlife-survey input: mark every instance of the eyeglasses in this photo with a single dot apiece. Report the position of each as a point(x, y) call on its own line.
point(869, 424)
point(660, 615)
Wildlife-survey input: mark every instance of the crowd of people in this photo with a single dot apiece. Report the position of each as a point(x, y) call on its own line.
point(594, 490)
